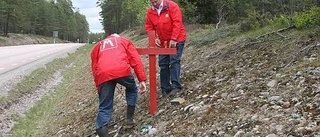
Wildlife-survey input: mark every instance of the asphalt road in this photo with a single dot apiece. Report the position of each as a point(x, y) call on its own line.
point(18, 61)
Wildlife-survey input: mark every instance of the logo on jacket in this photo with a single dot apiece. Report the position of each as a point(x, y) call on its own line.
point(167, 15)
point(107, 44)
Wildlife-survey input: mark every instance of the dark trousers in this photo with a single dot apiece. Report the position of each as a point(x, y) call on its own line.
point(170, 69)
point(106, 93)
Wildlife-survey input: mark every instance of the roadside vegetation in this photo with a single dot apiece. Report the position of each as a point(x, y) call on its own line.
point(41, 119)
point(259, 76)
point(226, 76)
point(23, 39)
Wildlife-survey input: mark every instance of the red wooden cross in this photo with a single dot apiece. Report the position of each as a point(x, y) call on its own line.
point(152, 51)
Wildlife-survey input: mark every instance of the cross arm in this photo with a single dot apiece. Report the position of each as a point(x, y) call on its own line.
point(156, 51)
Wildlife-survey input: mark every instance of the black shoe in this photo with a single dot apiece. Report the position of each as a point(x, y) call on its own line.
point(103, 131)
point(130, 114)
point(174, 92)
point(162, 96)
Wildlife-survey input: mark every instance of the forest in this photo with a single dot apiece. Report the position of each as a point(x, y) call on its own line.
point(42, 17)
point(120, 15)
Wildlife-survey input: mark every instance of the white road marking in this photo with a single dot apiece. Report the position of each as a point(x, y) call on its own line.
point(2, 68)
point(31, 58)
point(15, 64)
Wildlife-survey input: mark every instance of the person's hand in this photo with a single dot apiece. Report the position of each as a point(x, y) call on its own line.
point(142, 87)
point(173, 44)
point(158, 42)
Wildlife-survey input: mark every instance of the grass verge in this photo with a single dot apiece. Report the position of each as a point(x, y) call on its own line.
point(43, 118)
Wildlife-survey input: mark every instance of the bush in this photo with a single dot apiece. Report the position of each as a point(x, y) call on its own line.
point(307, 18)
point(254, 21)
point(281, 21)
point(248, 25)
point(245, 26)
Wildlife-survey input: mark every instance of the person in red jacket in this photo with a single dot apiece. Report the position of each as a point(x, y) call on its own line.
point(111, 63)
point(165, 18)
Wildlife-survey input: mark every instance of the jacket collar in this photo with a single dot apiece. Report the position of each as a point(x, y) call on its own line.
point(161, 5)
point(165, 6)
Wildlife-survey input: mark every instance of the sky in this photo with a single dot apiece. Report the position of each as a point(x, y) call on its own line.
point(91, 11)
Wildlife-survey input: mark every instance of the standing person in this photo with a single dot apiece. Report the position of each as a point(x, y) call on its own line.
point(165, 18)
point(111, 63)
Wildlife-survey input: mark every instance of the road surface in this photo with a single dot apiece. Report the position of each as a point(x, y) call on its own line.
point(18, 61)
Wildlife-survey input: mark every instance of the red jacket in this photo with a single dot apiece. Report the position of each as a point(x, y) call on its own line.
point(168, 24)
point(113, 58)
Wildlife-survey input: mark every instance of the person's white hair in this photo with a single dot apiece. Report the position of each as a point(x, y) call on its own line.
point(115, 35)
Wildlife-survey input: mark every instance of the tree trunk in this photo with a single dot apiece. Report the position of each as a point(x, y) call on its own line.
point(6, 28)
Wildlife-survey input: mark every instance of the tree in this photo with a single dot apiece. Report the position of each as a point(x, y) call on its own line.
point(43, 18)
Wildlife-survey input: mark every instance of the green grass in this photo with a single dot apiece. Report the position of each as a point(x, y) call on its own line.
point(207, 36)
point(35, 119)
point(30, 83)
point(39, 120)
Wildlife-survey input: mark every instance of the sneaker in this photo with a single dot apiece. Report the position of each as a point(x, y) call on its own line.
point(174, 92)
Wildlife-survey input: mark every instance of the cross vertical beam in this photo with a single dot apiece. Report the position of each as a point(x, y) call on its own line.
point(152, 51)
point(152, 74)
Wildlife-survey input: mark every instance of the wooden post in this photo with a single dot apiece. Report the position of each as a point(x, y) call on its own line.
point(152, 51)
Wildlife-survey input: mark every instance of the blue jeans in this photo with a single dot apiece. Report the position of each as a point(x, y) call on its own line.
point(106, 93)
point(170, 69)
